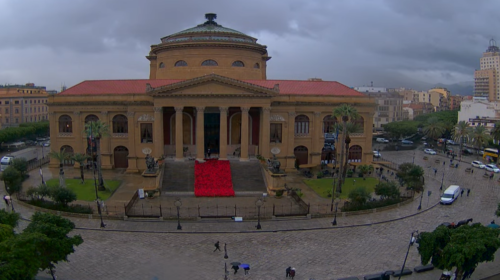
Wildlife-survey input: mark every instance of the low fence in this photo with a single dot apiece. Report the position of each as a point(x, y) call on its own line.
point(37, 163)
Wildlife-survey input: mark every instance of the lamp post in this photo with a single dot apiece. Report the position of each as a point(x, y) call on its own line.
point(226, 273)
point(178, 204)
point(334, 222)
point(420, 205)
point(259, 203)
point(442, 180)
point(334, 183)
point(95, 187)
point(412, 240)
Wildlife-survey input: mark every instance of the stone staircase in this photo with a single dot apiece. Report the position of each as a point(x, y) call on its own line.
point(178, 177)
point(247, 177)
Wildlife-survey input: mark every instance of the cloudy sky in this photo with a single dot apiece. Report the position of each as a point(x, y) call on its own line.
point(413, 43)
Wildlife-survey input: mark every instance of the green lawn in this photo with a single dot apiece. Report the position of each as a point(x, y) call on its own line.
point(323, 186)
point(86, 191)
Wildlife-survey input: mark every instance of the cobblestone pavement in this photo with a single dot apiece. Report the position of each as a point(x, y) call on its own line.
point(357, 246)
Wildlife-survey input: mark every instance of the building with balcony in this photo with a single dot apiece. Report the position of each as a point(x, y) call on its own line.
point(389, 105)
point(208, 89)
point(22, 104)
point(486, 79)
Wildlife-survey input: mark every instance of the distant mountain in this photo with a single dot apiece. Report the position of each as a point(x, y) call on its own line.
point(465, 88)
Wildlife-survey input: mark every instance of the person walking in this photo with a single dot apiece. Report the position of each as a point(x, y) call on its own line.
point(208, 152)
point(288, 269)
point(444, 162)
point(472, 171)
point(435, 172)
point(6, 199)
point(246, 267)
point(468, 192)
point(235, 268)
point(217, 246)
point(462, 193)
point(292, 272)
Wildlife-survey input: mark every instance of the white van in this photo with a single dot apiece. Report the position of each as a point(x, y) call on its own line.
point(450, 194)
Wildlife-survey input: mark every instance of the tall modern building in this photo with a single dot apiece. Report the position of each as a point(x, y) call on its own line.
point(487, 80)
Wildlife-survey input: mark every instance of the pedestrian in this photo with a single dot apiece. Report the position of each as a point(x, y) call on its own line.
point(235, 268)
point(472, 171)
point(208, 152)
point(288, 269)
point(451, 161)
point(246, 267)
point(444, 162)
point(435, 171)
point(468, 192)
point(292, 272)
point(456, 165)
point(217, 246)
point(462, 193)
point(6, 199)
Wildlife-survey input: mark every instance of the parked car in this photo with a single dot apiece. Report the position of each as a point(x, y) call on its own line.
point(467, 152)
point(46, 144)
point(407, 142)
point(478, 164)
point(430, 151)
point(491, 167)
point(376, 154)
point(450, 142)
point(382, 140)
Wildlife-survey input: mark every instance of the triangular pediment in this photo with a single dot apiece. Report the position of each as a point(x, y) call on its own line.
point(213, 85)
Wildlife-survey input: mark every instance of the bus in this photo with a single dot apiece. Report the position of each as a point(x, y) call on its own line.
point(490, 155)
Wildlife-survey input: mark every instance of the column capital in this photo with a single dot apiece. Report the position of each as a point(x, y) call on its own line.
point(158, 109)
point(292, 114)
point(266, 109)
point(104, 113)
point(317, 114)
point(179, 108)
point(130, 114)
point(77, 113)
point(223, 109)
point(245, 109)
point(200, 109)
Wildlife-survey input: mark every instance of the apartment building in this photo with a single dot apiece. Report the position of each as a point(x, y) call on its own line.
point(22, 103)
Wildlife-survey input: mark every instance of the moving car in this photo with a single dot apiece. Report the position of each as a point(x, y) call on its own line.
point(382, 140)
point(430, 151)
point(478, 164)
point(408, 142)
point(492, 167)
point(467, 152)
point(450, 194)
point(376, 154)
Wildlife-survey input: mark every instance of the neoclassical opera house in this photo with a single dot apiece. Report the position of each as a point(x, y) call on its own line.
point(207, 89)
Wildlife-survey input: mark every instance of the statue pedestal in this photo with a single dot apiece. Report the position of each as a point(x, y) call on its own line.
point(151, 173)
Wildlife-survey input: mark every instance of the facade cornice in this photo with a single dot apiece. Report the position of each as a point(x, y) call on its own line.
point(280, 103)
point(166, 46)
point(101, 103)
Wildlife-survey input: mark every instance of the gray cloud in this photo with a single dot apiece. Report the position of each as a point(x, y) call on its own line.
point(391, 42)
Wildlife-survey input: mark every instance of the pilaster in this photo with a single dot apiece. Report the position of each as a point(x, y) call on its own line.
point(200, 133)
point(132, 155)
point(265, 132)
point(315, 139)
point(179, 154)
point(105, 144)
point(290, 156)
point(54, 135)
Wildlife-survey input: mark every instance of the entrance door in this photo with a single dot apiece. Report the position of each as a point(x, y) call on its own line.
point(121, 157)
point(300, 153)
point(212, 132)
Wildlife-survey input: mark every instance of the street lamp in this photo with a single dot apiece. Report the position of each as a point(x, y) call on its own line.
point(226, 273)
point(334, 182)
point(178, 204)
point(259, 203)
point(412, 240)
point(95, 187)
point(334, 222)
point(420, 205)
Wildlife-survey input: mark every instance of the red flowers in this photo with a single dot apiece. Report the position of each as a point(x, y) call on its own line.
point(213, 178)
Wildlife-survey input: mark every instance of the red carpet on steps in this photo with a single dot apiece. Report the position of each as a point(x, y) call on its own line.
point(213, 178)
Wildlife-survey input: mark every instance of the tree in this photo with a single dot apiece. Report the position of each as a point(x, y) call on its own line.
point(359, 195)
point(6, 232)
point(412, 175)
point(81, 158)
point(462, 131)
point(434, 128)
point(62, 195)
point(479, 137)
point(97, 130)
point(10, 219)
point(21, 164)
point(60, 156)
point(463, 247)
point(401, 129)
point(59, 244)
point(387, 190)
point(12, 178)
point(345, 112)
point(495, 132)
point(365, 169)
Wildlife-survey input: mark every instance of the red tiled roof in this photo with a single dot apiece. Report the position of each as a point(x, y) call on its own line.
point(296, 87)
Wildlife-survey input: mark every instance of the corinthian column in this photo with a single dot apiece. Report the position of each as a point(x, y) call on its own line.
point(244, 133)
point(179, 134)
point(200, 133)
point(223, 134)
point(265, 132)
point(159, 144)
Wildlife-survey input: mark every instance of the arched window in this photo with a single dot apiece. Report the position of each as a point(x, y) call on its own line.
point(162, 65)
point(120, 124)
point(329, 124)
point(65, 124)
point(360, 124)
point(209, 62)
point(238, 63)
point(69, 150)
point(91, 118)
point(355, 153)
point(181, 63)
point(256, 66)
point(301, 125)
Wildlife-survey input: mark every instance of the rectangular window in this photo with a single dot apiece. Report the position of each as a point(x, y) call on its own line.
point(146, 133)
point(6, 110)
point(276, 132)
point(7, 102)
point(7, 120)
point(16, 102)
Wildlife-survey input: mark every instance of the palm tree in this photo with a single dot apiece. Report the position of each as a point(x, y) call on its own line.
point(365, 168)
point(479, 137)
point(462, 130)
point(495, 132)
point(347, 113)
point(80, 158)
point(61, 157)
point(434, 129)
point(97, 130)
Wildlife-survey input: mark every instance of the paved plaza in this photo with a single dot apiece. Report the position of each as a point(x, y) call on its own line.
point(357, 246)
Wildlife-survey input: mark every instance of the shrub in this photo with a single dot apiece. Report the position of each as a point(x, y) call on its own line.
point(40, 192)
point(76, 208)
point(12, 178)
point(371, 204)
point(21, 165)
point(319, 175)
point(7, 218)
point(359, 195)
point(279, 193)
point(62, 195)
point(387, 190)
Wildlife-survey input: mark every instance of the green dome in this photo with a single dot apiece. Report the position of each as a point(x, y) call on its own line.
point(209, 30)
